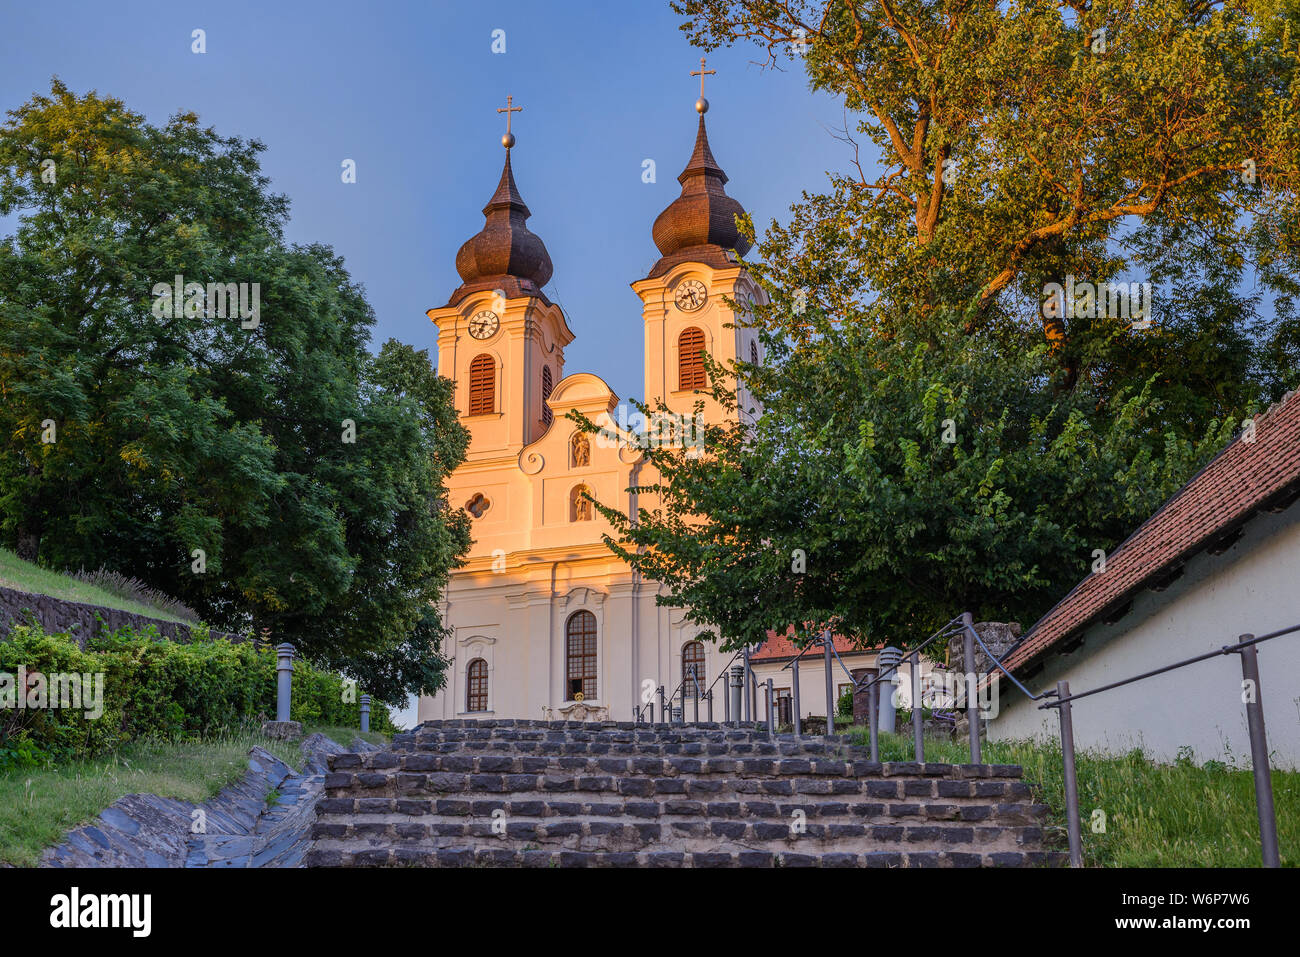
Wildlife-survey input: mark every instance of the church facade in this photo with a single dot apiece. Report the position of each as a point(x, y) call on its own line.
point(545, 621)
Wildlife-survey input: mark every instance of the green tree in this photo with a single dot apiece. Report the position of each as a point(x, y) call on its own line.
point(999, 147)
point(933, 439)
point(308, 473)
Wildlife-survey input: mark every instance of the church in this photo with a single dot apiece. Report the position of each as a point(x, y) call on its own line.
point(545, 622)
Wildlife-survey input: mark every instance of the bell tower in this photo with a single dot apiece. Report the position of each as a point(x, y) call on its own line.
point(500, 339)
point(683, 298)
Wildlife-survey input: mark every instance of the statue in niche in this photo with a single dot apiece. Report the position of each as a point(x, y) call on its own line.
point(581, 451)
point(581, 505)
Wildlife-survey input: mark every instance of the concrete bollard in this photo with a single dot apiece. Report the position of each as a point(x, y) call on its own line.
point(283, 680)
point(737, 682)
point(887, 663)
point(365, 713)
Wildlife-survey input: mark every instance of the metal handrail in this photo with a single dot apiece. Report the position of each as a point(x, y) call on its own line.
point(723, 673)
point(1246, 646)
point(1225, 650)
point(806, 648)
point(911, 652)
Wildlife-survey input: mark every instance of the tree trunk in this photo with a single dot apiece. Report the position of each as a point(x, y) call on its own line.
point(29, 541)
point(32, 524)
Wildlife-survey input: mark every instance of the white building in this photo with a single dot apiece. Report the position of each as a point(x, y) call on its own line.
point(546, 622)
point(1218, 560)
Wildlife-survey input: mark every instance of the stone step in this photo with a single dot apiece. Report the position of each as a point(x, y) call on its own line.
point(688, 749)
point(440, 771)
point(617, 833)
point(576, 731)
point(487, 855)
point(554, 794)
point(727, 806)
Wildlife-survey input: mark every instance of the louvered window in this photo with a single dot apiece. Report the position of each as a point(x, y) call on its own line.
point(690, 359)
point(546, 394)
point(482, 385)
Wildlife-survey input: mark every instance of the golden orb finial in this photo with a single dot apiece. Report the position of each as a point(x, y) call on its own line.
point(702, 105)
point(508, 140)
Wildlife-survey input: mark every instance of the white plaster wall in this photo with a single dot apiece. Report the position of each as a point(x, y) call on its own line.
point(1253, 588)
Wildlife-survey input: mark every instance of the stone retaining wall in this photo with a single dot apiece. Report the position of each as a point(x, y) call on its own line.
point(81, 620)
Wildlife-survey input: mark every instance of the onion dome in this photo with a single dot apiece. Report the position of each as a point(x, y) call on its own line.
point(504, 254)
point(700, 224)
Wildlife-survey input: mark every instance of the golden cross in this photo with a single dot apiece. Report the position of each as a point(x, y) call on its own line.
point(508, 109)
point(702, 73)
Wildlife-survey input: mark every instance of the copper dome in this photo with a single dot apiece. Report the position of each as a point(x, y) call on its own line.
point(504, 254)
point(700, 224)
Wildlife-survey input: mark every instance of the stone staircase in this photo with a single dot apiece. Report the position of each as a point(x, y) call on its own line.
point(573, 794)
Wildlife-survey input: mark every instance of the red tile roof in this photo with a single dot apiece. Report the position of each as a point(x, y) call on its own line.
point(1239, 480)
point(779, 647)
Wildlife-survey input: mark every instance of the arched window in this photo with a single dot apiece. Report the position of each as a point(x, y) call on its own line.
point(580, 509)
point(476, 686)
point(579, 451)
point(580, 656)
point(690, 359)
point(482, 385)
point(547, 415)
point(693, 658)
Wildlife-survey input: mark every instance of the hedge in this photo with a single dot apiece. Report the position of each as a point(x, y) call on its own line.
point(155, 688)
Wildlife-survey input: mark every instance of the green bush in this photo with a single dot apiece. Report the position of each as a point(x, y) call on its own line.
point(844, 706)
point(154, 688)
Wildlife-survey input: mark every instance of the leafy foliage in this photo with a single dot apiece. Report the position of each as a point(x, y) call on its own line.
point(184, 432)
point(933, 439)
point(154, 688)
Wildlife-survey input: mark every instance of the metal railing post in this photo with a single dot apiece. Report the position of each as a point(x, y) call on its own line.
point(695, 697)
point(771, 715)
point(1253, 695)
point(794, 677)
point(1071, 779)
point(918, 719)
point(749, 689)
point(664, 716)
point(830, 683)
point(709, 709)
point(873, 722)
point(972, 699)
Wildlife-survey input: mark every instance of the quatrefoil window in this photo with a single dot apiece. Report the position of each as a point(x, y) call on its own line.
point(478, 505)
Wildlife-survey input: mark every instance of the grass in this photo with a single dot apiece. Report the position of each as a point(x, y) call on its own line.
point(344, 736)
point(39, 806)
point(24, 576)
point(1155, 815)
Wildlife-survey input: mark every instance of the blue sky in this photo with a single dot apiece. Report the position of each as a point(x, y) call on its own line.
point(409, 91)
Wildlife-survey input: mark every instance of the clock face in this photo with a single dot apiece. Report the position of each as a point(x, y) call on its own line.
point(690, 295)
point(484, 324)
